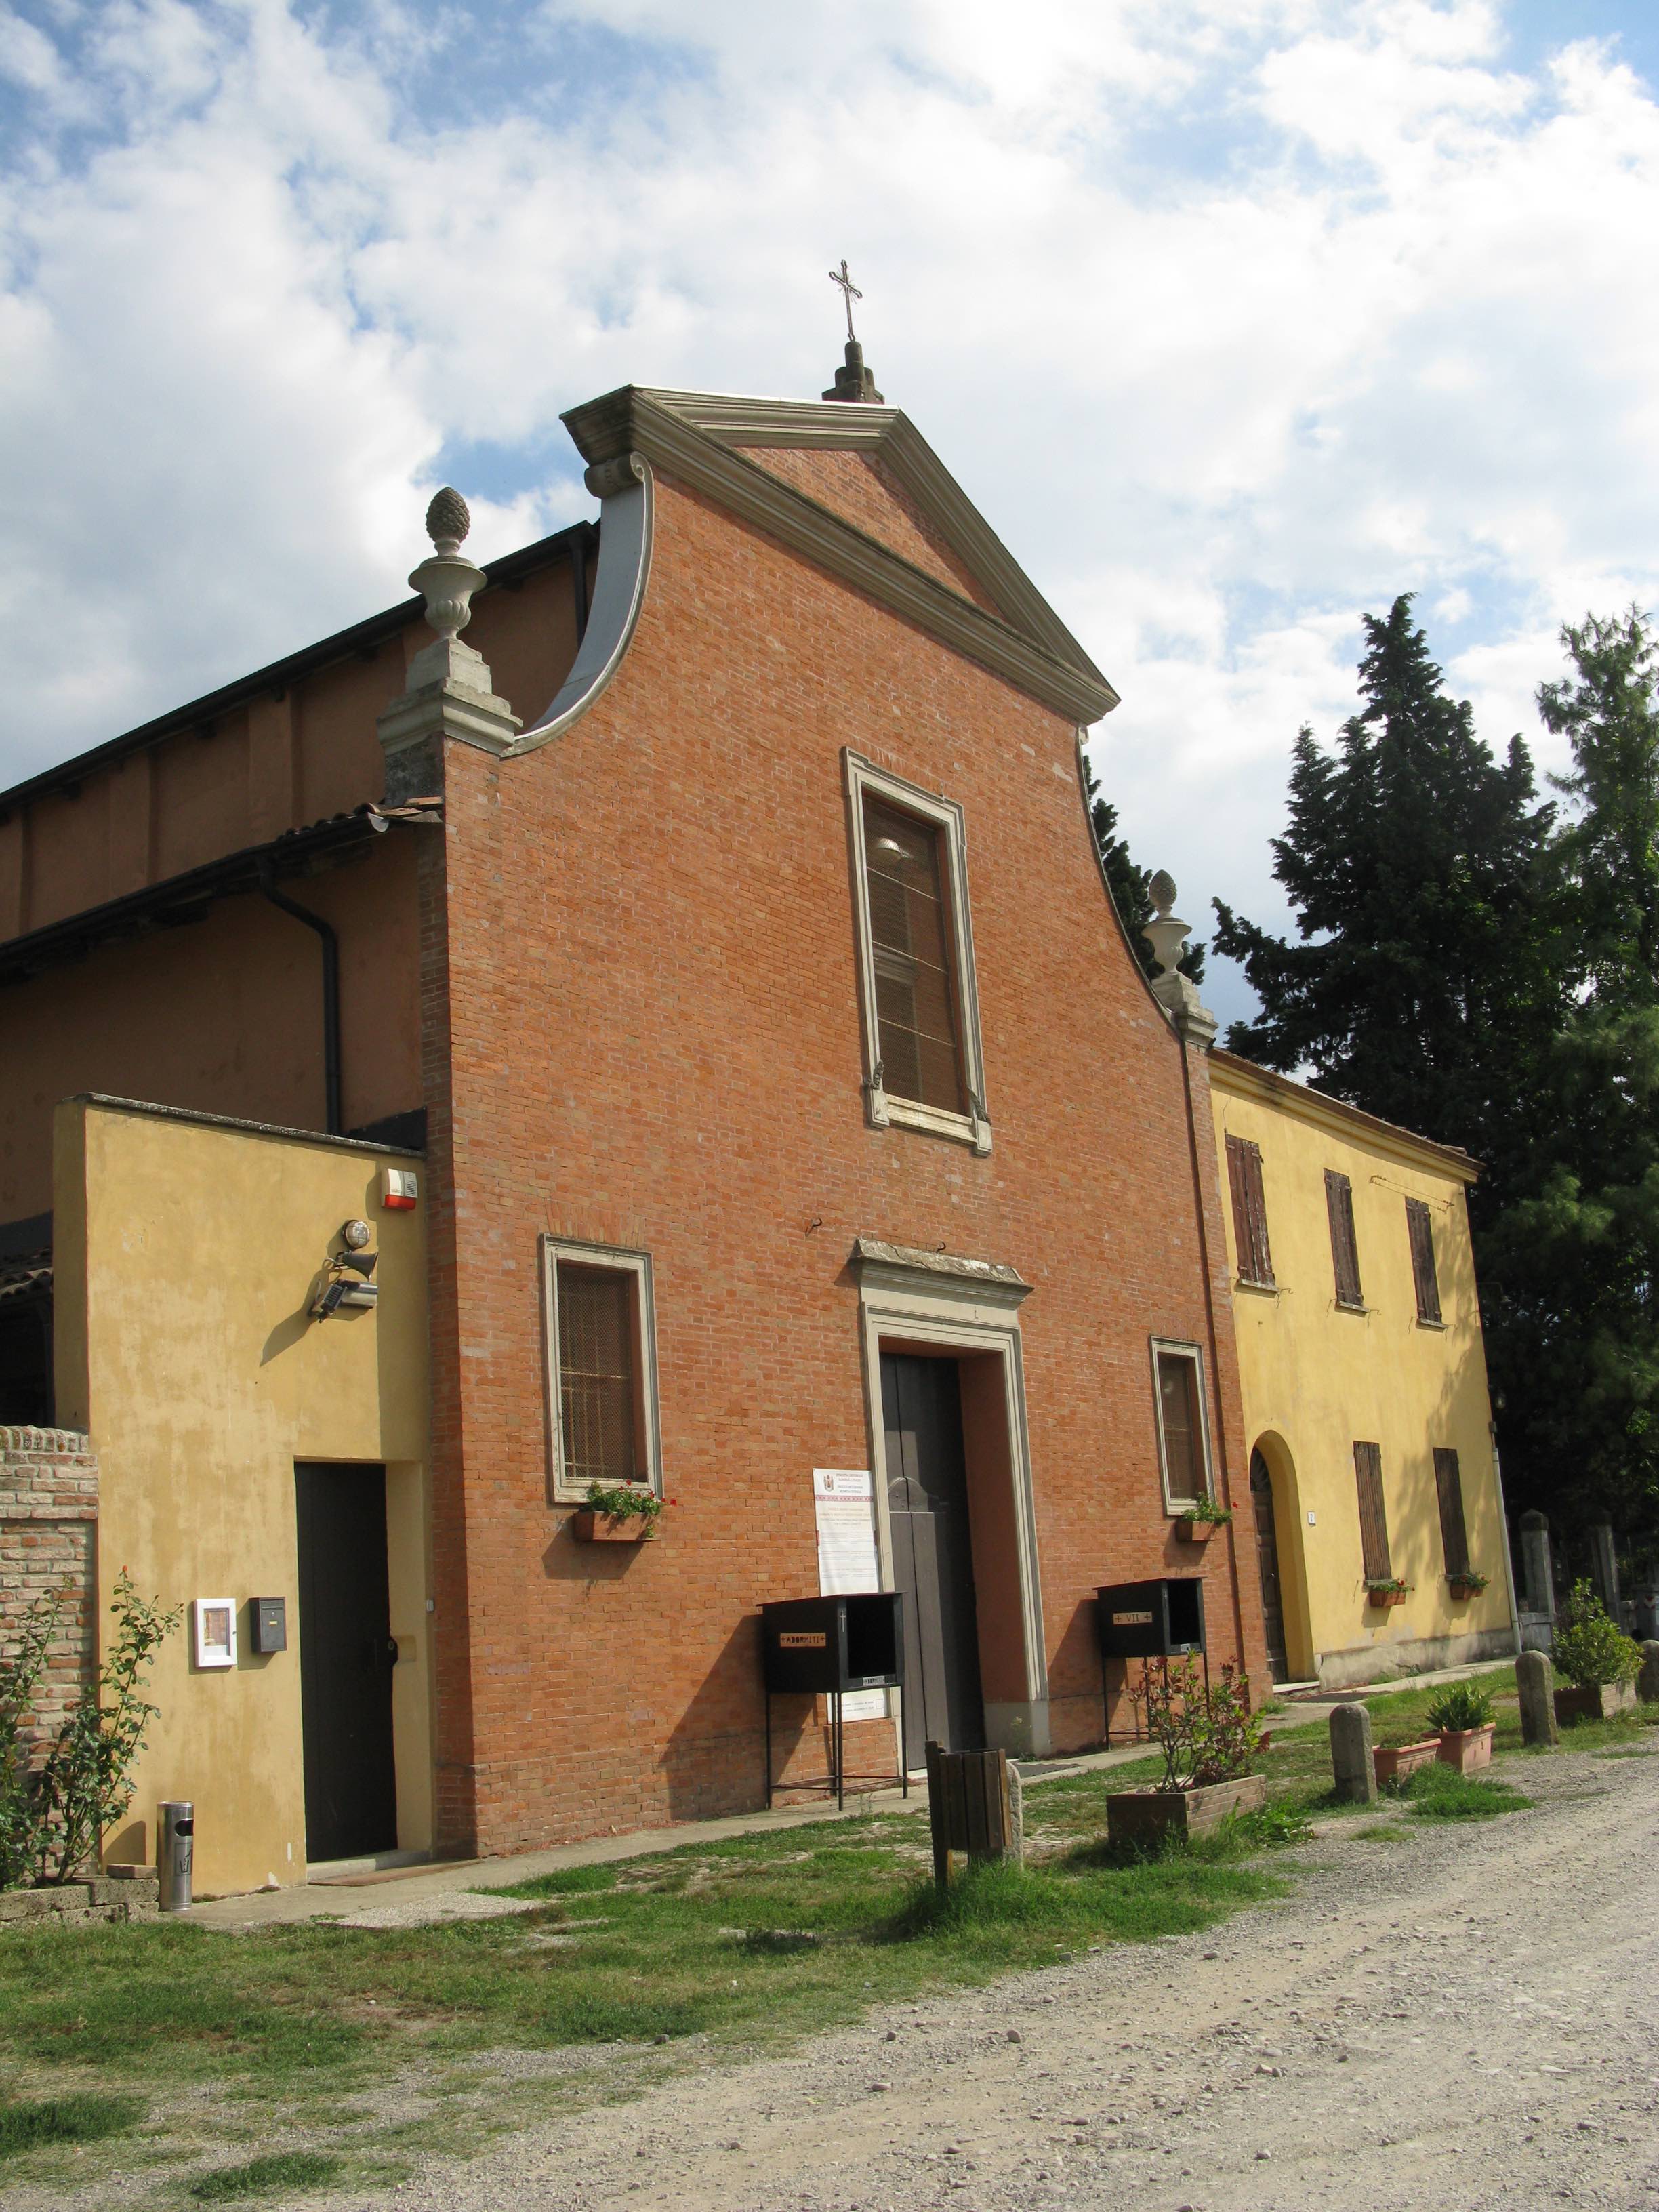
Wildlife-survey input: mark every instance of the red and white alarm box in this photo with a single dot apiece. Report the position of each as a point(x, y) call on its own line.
point(399, 1192)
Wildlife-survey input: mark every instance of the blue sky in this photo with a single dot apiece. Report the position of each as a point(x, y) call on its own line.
point(1235, 317)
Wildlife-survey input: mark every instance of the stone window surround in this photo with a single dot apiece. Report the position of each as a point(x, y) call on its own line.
point(1177, 1347)
point(971, 1307)
point(881, 1108)
point(618, 1260)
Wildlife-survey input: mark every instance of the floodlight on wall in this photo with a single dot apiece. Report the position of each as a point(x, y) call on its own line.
point(346, 1285)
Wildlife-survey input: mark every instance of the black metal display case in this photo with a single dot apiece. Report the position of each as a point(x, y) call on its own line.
point(827, 1647)
point(1162, 1620)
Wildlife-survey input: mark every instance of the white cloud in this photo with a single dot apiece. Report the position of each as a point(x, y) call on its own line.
point(1237, 317)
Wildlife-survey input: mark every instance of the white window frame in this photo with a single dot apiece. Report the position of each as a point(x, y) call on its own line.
point(1167, 1347)
point(882, 1107)
point(616, 1259)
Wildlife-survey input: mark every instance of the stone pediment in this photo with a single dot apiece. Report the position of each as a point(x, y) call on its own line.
point(932, 557)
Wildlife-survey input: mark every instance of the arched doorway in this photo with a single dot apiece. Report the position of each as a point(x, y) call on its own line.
point(1267, 1553)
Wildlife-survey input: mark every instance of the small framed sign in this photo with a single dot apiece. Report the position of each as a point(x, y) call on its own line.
point(215, 1632)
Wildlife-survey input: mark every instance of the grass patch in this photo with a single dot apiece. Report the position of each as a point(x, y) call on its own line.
point(263, 2177)
point(75, 2119)
point(1441, 1793)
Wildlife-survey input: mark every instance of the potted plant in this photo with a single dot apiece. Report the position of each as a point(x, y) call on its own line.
point(1464, 1714)
point(1196, 1524)
point(1209, 1738)
point(1466, 1584)
point(1385, 1590)
point(1600, 1661)
point(618, 1513)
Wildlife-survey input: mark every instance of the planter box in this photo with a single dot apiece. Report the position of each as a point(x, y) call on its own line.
point(1197, 1532)
point(1466, 1748)
point(1144, 1818)
point(1394, 1762)
point(1385, 1597)
point(612, 1528)
point(1598, 1702)
point(1462, 1592)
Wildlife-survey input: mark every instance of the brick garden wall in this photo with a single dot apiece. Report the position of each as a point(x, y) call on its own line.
point(48, 1532)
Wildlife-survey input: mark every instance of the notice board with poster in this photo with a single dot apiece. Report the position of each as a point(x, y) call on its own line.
point(845, 1501)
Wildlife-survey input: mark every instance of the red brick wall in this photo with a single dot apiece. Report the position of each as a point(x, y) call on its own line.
point(640, 952)
point(48, 1527)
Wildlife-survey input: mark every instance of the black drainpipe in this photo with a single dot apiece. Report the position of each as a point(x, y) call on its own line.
point(331, 945)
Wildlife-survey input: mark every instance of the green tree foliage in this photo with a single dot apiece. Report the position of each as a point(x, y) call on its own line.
point(52, 1815)
point(1129, 884)
point(1575, 1246)
point(1485, 969)
point(1427, 956)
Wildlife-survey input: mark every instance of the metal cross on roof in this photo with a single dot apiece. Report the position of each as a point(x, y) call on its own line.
point(849, 293)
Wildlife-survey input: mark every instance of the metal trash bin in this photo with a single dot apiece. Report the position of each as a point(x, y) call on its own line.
point(175, 1853)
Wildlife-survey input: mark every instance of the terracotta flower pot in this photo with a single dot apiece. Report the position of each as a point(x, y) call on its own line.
point(1394, 1762)
point(1145, 1817)
point(1593, 1701)
point(612, 1528)
point(1385, 1597)
point(1468, 1748)
point(1196, 1532)
point(1461, 1591)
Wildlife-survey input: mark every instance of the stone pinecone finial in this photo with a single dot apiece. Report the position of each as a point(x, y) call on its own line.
point(447, 519)
point(1162, 892)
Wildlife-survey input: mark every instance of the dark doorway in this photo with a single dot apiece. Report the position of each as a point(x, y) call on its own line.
point(932, 1554)
point(346, 1658)
point(1267, 1553)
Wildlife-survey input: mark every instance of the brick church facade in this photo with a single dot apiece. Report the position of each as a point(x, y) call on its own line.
point(729, 942)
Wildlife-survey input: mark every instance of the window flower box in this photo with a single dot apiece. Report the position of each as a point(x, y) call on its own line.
point(1394, 1761)
point(611, 1527)
point(1466, 1749)
point(617, 1513)
point(1384, 1594)
point(1464, 1587)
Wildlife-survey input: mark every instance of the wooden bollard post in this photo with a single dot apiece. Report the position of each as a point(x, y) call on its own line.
point(974, 1805)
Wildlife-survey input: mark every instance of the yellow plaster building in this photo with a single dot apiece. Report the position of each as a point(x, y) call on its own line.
point(1364, 1379)
point(188, 1250)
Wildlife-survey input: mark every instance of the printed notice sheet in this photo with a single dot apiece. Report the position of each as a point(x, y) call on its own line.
point(845, 1500)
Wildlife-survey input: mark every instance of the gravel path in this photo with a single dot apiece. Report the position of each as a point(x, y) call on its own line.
point(1462, 2017)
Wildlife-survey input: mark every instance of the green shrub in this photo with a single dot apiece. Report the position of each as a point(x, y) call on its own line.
point(1440, 1793)
point(1589, 1648)
point(66, 2119)
point(1461, 1705)
point(286, 2170)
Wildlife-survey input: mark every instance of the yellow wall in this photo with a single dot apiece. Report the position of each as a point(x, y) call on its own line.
point(1315, 1379)
point(185, 1255)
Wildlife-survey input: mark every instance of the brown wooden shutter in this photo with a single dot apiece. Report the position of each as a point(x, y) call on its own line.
point(1256, 1262)
point(1453, 1532)
point(1373, 1518)
point(1344, 1248)
point(1420, 1228)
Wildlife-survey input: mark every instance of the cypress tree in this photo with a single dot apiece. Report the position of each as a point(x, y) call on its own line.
point(1575, 1333)
point(1425, 968)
